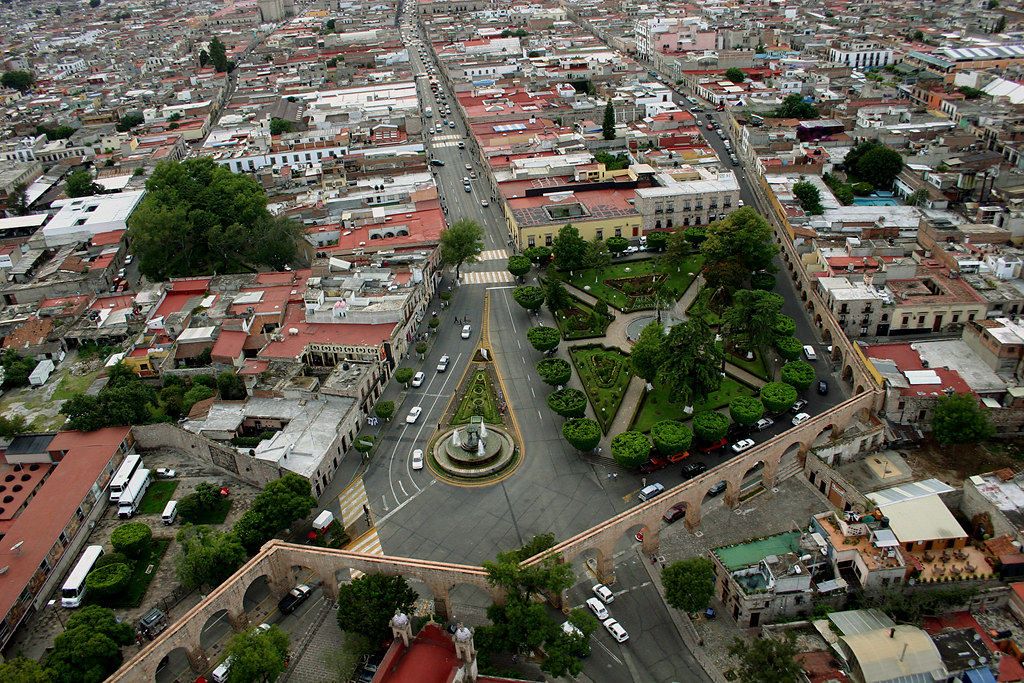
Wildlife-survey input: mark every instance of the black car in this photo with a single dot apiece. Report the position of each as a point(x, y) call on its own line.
point(822, 387)
point(717, 489)
point(437, 162)
point(798, 406)
point(295, 597)
point(692, 469)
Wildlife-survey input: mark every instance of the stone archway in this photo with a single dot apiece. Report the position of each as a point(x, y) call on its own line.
point(837, 354)
point(216, 628)
point(173, 666)
point(598, 563)
point(826, 336)
point(468, 603)
point(753, 476)
point(848, 374)
point(257, 593)
point(860, 389)
point(824, 435)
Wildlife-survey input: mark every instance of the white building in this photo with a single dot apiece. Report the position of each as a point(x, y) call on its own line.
point(860, 55)
point(81, 218)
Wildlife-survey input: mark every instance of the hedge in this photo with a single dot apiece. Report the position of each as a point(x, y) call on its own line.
point(132, 539)
point(108, 582)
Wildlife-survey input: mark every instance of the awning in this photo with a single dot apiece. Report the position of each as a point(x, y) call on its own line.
point(884, 538)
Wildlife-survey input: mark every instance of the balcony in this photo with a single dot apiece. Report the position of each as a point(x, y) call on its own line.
point(950, 565)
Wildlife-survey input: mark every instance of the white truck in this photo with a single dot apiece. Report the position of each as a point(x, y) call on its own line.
point(132, 495)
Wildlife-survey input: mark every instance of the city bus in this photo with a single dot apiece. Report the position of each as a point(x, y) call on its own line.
point(124, 473)
point(73, 591)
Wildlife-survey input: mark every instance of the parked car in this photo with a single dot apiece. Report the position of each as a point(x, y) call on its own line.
point(467, 187)
point(693, 469)
point(809, 353)
point(763, 424)
point(220, 674)
point(437, 162)
point(295, 597)
point(674, 513)
point(604, 593)
point(743, 445)
point(417, 379)
point(469, 167)
point(718, 445)
point(467, 330)
point(650, 491)
point(417, 459)
point(800, 404)
point(717, 489)
point(800, 418)
point(711, 126)
point(414, 415)
point(598, 608)
point(484, 203)
point(822, 387)
point(571, 630)
point(678, 457)
point(153, 622)
point(166, 473)
point(653, 465)
point(615, 629)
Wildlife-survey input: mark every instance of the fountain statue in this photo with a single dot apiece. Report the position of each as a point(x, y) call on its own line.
point(455, 438)
point(475, 450)
point(473, 438)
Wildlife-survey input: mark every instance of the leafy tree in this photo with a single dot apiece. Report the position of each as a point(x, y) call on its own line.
point(767, 660)
point(789, 347)
point(19, 80)
point(199, 504)
point(743, 238)
point(385, 410)
point(555, 295)
point(670, 436)
point(24, 670)
point(809, 197)
point(543, 338)
point(129, 121)
point(777, 397)
point(657, 241)
point(648, 354)
point(568, 402)
point(519, 265)
point(125, 400)
point(794, 107)
point(710, 427)
point(329, 25)
point(80, 184)
point(207, 557)
point(230, 386)
point(538, 255)
point(554, 371)
point(749, 320)
point(404, 376)
point(692, 361)
point(550, 575)
point(746, 410)
point(762, 281)
point(204, 58)
point(695, 235)
point(198, 217)
point(281, 502)
point(597, 255)
point(783, 326)
point(421, 349)
point(582, 433)
point(879, 166)
point(798, 374)
point(727, 276)
point(631, 449)
point(1000, 25)
point(278, 126)
point(367, 605)
point(194, 395)
point(958, 419)
point(89, 649)
point(108, 582)
point(569, 248)
point(257, 655)
point(132, 539)
point(735, 75)
point(616, 244)
point(461, 242)
point(218, 55)
point(612, 162)
point(689, 584)
point(17, 201)
point(12, 426)
point(16, 368)
point(608, 124)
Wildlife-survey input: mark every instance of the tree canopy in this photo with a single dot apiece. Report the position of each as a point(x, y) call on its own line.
point(280, 503)
point(874, 163)
point(710, 427)
point(631, 449)
point(794, 107)
point(529, 297)
point(569, 248)
point(777, 397)
point(746, 410)
point(582, 433)
point(647, 353)
point(80, 184)
point(608, 123)
point(367, 604)
point(568, 402)
point(207, 557)
point(750, 319)
point(89, 649)
point(543, 338)
point(689, 584)
point(199, 218)
point(519, 265)
point(554, 371)
point(743, 240)
point(691, 361)
point(670, 436)
point(767, 660)
point(735, 75)
point(257, 655)
point(461, 242)
point(19, 80)
point(798, 374)
point(959, 419)
point(218, 55)
point(809, 197)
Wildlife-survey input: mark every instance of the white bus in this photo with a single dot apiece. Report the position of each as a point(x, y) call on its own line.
point(74, 588)
point(123, 475)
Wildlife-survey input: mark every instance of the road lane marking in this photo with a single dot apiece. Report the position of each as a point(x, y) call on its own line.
point(401, 486)
point(351, 502)
point(610, 653)
point(405, 502)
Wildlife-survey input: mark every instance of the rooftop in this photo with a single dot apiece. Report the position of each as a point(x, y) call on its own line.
point(735, 557)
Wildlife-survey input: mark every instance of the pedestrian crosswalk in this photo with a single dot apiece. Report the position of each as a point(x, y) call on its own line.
point(485, 277)
point(493, 255)
point(368, 543)
point(446, 140)
point(351, 502)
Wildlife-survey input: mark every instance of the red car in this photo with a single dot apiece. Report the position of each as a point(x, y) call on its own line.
point(679, 457)
point(653, 465)
point(711, 126)
point(718, 445)
point(674, 513)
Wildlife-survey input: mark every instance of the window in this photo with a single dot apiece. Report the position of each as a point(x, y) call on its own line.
point(618, 232)
point(530, 241)
point(970, 317)
point(599, 234)
point(547, 240)
point(920, 320)
point(906, 319)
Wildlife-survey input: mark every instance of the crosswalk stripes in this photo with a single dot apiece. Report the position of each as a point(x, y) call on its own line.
point(368, 543)
point(485, 277)
point(351, 502)
point(493, 255)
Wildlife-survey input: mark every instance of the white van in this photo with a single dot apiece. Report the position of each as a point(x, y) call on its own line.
point(809, 353)
point(170, 512)
point(220, 674)
point(650, 491)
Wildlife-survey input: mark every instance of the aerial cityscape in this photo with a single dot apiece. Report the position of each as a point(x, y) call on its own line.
point(442, 341)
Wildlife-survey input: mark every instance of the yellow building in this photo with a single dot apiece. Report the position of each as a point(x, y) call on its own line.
point(597, 214)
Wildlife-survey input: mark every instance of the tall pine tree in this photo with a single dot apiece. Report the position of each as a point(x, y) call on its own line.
point(218, 55)
point(608, 127)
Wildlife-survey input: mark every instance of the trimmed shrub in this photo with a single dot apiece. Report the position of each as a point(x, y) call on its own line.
point(568, 402)
point(108, 582)
point(631, 449)
point(111, 558)
point(671, 436)
point(784, 326)
point(582, 433)
point(132, 539)
point(778, 397)
point(789, 348)
point(710, 427)
point(746, 410)
point(554, 371)
point(798, 374)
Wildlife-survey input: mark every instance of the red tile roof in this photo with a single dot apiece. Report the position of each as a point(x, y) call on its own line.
point(228, 346)
point(292, 345)
point(906, 358)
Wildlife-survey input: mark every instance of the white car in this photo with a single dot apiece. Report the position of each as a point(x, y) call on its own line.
point(742, 445)
point(220, 674)
point(800, 418)
point(598, 608)
point(467, 331)
point(417, 379)
point(442, 364)
point(166, 473)
point(484, 203)
point(571, 630)
point(604, 593)
point(413, 415)
point(615, 629)
point(417, 459)
point(764, 423)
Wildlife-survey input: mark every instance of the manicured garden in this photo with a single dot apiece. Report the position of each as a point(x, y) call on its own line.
point(631, 285)
point(605, 374)
point(480, 399)
point(756, 367)
point(157, 495)
point(579, 321)
point(657, 404)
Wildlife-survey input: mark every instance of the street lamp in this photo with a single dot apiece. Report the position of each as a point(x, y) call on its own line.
point(56, 610)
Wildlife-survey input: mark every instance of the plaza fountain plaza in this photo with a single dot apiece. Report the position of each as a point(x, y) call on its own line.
point(474, 451)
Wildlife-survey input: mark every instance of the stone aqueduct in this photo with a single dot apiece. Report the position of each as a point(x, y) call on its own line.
point(783, 455)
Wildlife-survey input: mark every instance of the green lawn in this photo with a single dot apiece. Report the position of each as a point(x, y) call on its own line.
point(143, 572)
point(630, 293)
point(156, 497)
point(657, 406)
point(713, 318)
point(755, 367)
point(479, 399)
point(581, 324)
point(70, 385)
point(605, 374)
point(215, 516)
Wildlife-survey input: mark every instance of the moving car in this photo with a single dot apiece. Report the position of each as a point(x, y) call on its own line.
point(484, 202)
point(800, 418)
point(742, 445)
point(413, 415)
point(604, 593)
point(466, 187)
point(799, 406)
point(469, 167)
point(467, 331)
point(417, 459)
point(822, 387)
point(437, 162)
point(674, 513)
point(442, 364)
point(417, 379)
point(462, 145)
point(693, 469)
point(711, 126)
point(166, 473)
point(615, 629)
point(598, 608)
point(763, 424)
point(650, 491)
point(295, 597)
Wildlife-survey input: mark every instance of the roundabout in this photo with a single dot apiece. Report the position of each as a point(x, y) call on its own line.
point(474, 451)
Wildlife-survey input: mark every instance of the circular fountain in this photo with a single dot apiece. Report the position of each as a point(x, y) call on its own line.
point(474, 451)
